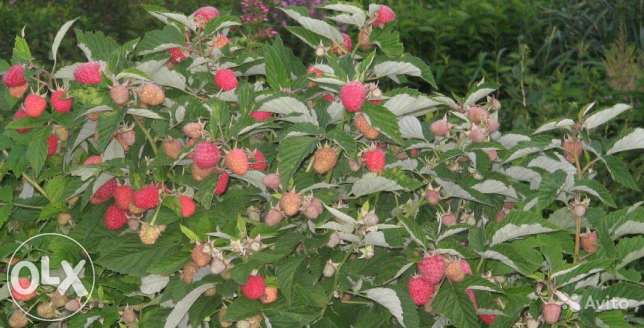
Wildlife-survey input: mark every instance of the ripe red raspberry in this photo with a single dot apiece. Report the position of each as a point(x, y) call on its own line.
point(258, 161)
point(432, 268)
point(147, 197)
point(290, 203)
point(254, 287)
point(205, 14)
point(260, 116)
point(52, 145)
point(324, 159)
point(60, 102)
point(222, 184)
point(225, 79)
point(88, 73)
point(206, 155)
point(20, 114)
point(114, 218)
point(24, 283)
point(177, 55)
point(188, 206)
point(34, 105)
point(374, 159)
point(123, 196)
point(362, 124)
point(104, 192)
point(237, 161)
point(465, 266)
point(487, 319)
point(199, 257)
point(353, 95)
point(441, 127)
point(384, 16)
point(14, 76)
point(551, 312)
point(419, 290)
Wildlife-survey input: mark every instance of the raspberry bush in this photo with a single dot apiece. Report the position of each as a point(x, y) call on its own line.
point(217, 181)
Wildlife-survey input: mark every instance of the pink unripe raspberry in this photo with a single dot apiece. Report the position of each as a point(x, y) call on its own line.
point(24, 283)
point(172, 147)
point(254, 287)
point(199, 256)
point(273, 217)
point(93, 160)
point(441, 127)
point(60, 102)
point(487, 319)
point(14, 76)
point(432, 268)
point(347, 42)
point(114, 218)
point(384, 16)
point(432, 196)
point(188, 206)
point(313, 208)
point(147, 197)
point(193, 130)
point(573, 148)
point(206, 155)
point(204, 15)
point(493, 125)
point(225, 79)
point(477, 114)
point(551, 312)
point(492, 154)
point(589, 242)
point(476, 134)
point(353, 96)
point(448, 219)
point(237, 161)
point(88, 73)
point(465, 266)
point(419, 290)
point(34, 105)
point(271, 181)
point(119, 94)
point(374, 159)
point(222, 184)
point(260, 116)
point(52, 145)
point(177, 55)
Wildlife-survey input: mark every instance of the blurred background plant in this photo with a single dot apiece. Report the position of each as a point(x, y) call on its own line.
point(548, 58)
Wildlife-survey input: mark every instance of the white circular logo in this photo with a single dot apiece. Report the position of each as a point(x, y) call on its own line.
point(66, 279)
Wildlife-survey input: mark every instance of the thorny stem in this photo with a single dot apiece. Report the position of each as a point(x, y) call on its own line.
point(335, 281)
point(23, 206)
point(577, 237)
point(147, 135)
point(35, 185)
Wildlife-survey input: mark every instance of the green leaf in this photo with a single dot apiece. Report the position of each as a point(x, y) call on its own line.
point(286, 272)
point(159, 40)
point(596, 189)
point(220, 22)
point(96, 45)
point(37, 150)
point(383, 120)
point(519, 224)
point(388, 41)
point(452, 302)
point(242, 308)
point(550, 187)
point(277, 59)
point(291, 152)
point(55, 189)
point(308, 37)
point(107, 126)
point(21, 52)
point(620, 173)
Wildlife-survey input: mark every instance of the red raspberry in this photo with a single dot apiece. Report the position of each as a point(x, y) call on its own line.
point(222, 184)
point(14, 76)
point(52, 145)
point(115, 218)
point(315, 71)
point(225, 79)
point(260, 116)
point(419, 290)
point(432, 268)
point(34, 105)
point(258, 161)
point(254, 287)
point(237, 161)
point(374, 159)
point(384, 16)
point(88, 73)
point(353, 95)
point(347, 42)
point(487, 319)
point(123, 196)
point(188, 206)
point(147, 197)
point(60, 102)
point(24, 283)
point(104, 192)
point(206, 155)
point(205, 14)
point(93, 160)
point(177, 55)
